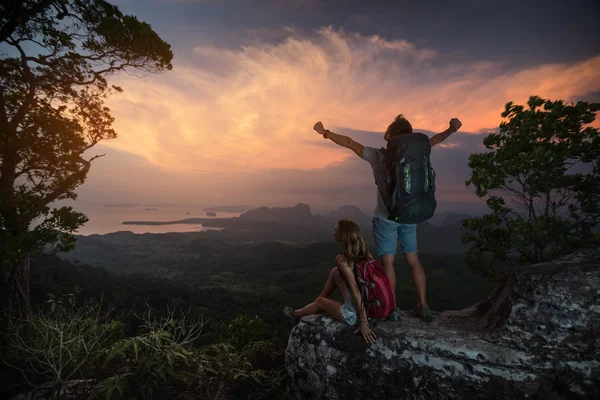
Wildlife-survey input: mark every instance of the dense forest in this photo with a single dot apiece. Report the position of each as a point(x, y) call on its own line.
point(225, 279)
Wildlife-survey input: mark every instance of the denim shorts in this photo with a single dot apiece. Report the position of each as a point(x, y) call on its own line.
point(349, 313)
point(388, 233)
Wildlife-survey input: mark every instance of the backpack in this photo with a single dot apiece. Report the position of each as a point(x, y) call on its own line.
point(375, 289)
point(410, 180)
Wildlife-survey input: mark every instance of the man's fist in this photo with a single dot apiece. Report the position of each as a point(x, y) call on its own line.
point(455, 124)
point(319, 128)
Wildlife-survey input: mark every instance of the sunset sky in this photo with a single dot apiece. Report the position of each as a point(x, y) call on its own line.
point(232, 122)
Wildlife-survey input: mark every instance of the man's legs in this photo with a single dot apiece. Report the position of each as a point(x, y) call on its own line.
point(407, 236)
point(386, 242)
point(387, 235)
point(388, 265)
point(418, 277)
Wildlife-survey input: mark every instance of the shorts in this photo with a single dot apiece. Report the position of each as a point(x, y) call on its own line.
point(388, 233)
point(348, 309)
point(349, 313)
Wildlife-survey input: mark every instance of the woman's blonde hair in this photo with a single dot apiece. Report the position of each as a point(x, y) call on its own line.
point(354, 245)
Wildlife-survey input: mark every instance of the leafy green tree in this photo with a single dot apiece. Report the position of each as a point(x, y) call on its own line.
point(541, 180)
point(52, 113)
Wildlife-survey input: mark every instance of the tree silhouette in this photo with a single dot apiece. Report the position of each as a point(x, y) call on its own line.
point(52, 92)
point(541, 180)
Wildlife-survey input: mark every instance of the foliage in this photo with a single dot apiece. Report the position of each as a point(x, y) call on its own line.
point(541, 180)
point(52, 348)
point(75, 343)
point(52, 113)
point(63, 298)
point(161, 359)
point(242, 330)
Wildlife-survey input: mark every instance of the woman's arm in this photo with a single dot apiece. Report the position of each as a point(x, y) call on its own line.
point(351, 282)
point(345, 270)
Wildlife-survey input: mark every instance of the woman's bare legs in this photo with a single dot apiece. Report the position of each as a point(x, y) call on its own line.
point(330, 285)
point(331, 307)
point(323, 303)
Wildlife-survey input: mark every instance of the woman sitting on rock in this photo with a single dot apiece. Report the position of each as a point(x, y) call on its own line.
point(361, 280)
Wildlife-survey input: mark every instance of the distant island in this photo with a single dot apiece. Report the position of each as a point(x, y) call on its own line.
point(148, 209)
point(299, 215)
point(123, 205)
point(175, 222)
point(231, 209)
point(299, 224)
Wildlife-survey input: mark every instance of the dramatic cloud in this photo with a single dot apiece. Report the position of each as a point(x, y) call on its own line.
point(253, 109)
point(235, 126)
point(124, 177)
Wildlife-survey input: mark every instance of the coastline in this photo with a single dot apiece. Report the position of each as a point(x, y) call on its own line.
point(203, 221)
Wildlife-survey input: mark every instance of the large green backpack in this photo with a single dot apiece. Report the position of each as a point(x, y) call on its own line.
point(410, 180)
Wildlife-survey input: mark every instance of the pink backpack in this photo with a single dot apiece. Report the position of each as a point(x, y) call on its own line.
point(375, 289)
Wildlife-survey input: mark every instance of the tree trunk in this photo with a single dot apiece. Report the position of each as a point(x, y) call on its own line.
point(14, 290)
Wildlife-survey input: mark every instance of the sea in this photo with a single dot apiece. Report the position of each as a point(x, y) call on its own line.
point(103, 220)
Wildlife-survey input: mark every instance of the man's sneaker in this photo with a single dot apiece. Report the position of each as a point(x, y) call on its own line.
point(394, 316)
point(424, 313)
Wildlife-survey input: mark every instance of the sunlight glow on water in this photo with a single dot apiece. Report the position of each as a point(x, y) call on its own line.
point(104, 220)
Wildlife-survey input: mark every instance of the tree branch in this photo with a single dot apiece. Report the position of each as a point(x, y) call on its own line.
point(21, 17)
point(24, 108)
point(36, 185)
point(529, 199)
point(71, 180)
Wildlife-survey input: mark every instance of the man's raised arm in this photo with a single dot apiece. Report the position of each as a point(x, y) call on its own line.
point(455, 125)
point(340, 140)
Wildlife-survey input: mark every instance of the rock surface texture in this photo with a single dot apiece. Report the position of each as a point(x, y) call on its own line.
point(536, 336)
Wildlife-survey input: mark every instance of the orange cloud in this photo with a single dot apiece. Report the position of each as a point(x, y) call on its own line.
point(254, 108)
